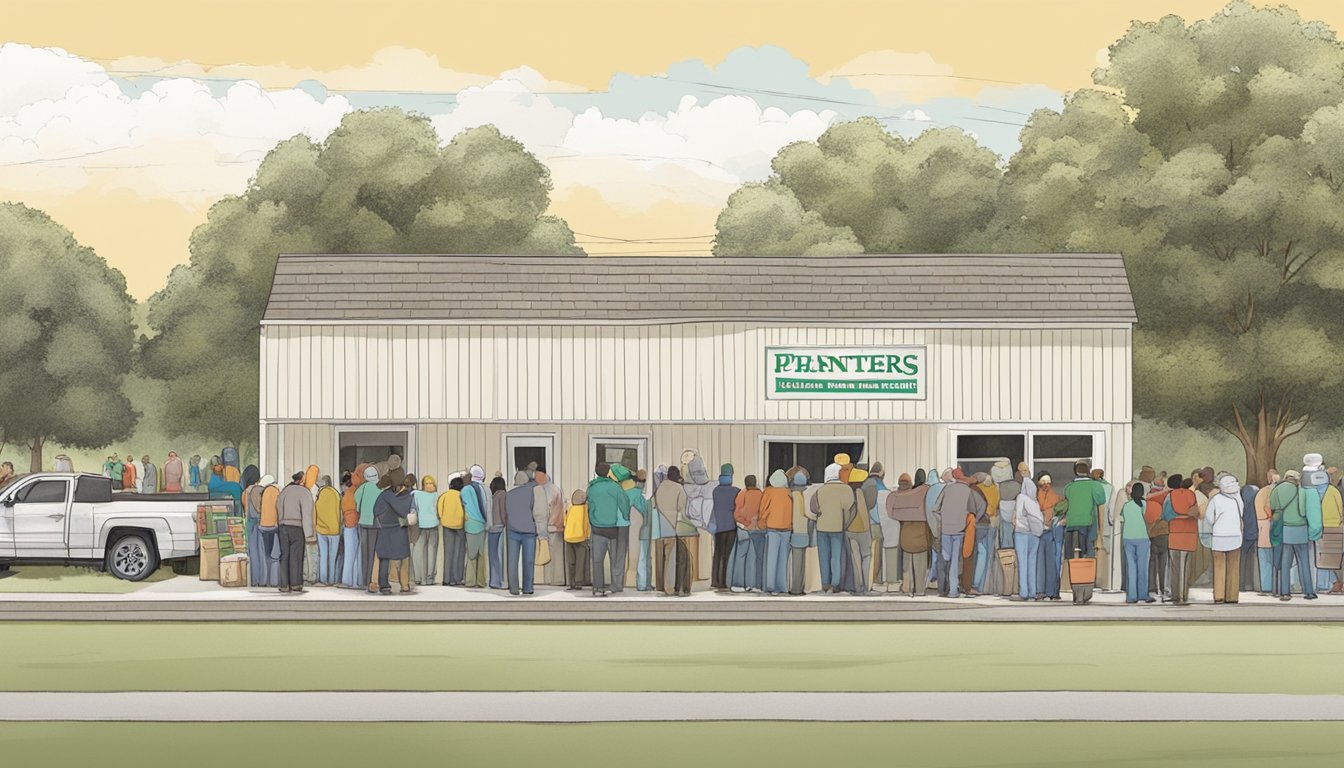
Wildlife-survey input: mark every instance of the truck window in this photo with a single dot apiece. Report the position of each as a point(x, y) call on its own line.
point(43, 492)
point(93, 490)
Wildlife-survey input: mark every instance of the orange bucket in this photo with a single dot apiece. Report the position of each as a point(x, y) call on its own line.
point(1083, 570)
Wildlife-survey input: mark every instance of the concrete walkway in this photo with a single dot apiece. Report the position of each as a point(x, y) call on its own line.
point(189, 599)
point(578, 707)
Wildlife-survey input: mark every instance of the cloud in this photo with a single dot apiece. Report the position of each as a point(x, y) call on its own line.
point(897, 77)
point(65, 120)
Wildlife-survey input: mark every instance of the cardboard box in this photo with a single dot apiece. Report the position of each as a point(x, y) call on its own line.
point(233, 571)
point(209, 559)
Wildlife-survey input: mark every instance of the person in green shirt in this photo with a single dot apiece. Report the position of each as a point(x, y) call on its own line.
point(1290, 507)
point(1082, 497)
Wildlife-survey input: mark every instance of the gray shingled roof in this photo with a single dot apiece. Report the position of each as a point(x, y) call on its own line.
point(901, 288)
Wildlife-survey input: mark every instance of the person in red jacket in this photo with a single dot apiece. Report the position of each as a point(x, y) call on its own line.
point(743, 574)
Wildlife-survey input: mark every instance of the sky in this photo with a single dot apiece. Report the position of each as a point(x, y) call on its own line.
point(126, 121)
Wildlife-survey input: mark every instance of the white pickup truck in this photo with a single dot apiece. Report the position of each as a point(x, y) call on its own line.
point(63, 518)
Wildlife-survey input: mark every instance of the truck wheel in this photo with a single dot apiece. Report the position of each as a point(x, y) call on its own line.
point(131, 558)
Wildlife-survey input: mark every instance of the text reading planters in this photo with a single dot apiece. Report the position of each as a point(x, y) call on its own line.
point(841, 373)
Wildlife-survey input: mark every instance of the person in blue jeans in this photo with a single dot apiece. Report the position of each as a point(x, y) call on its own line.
point(522, 525)
point(1052, 540)
point(1137, 547)
point(1028, 525)
point(828, 507)
point(495, 535)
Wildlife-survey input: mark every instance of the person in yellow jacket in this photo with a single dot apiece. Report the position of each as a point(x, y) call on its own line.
point(310, 552)
point(578, 548)
point(1330, 549)
point(453, 519)
point(327, 524)
point(985, 576)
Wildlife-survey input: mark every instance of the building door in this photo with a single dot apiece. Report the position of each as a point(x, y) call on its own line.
point(38, 516)
point(521, 451)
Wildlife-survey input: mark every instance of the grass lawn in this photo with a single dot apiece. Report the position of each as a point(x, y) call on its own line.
point(676, 745)
point(1252, 658)
point(56, 578)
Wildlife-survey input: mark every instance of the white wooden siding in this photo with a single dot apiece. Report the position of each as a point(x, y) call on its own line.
point(705, 372)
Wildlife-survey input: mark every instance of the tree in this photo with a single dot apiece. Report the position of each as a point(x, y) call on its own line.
point(860, 184)
point(381, 183)
point(67, 342)
point(1215, 167)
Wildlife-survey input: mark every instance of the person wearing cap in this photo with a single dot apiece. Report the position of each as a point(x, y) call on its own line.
point(1082, 497)
point(744, 576)
point(450, 513)
point(1288, 503)
point(634, 498)
point(578, 551)
point(1224, 515)
point(724, 527)
point(830, 505)
point(476, 501)
point(327, 525)
point(366, 498)
point(801, 536)
point(606, 503)
point(294, 518)
point(425, 533)
point(858, 560)
point(956, 503)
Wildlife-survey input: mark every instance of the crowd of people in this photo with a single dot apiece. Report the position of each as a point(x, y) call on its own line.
point(1005, 532)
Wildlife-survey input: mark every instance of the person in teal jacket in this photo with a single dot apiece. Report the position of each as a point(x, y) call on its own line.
point(1293, 507)
point(365, 498)
point(607, 505)
point(637, 503)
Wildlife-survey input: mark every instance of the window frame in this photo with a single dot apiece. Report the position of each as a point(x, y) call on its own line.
point(549, 440)
point(643, 454)
point(408, 460)
point(763, 450)
point(1030, 432)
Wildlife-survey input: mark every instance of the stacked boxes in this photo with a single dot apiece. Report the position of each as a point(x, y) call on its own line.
point(221, 532)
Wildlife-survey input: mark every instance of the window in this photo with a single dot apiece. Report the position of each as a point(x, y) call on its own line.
point(520, 451)
point(1056, 455)
point(812, 456)
point(630, 452)
point(93, 490)
point(42, 492)
point(370, 448)
point(977, 453)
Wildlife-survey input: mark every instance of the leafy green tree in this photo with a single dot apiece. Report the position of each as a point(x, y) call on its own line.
point(1215, 166)
point(381, 183)
point(859, 183)
point(67, 341)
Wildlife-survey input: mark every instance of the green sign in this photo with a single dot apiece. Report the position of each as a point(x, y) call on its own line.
point(845, 373)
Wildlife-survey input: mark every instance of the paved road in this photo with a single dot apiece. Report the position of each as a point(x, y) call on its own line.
point(573, 707)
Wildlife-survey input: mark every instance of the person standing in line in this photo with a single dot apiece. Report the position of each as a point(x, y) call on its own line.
point(522, 520)
point(830, 505)
point(476, 502)
point(294, 506)
point(957, 502)
point(1010, 485)
point(425, 552)
point(892, 564)
point(936, 484)
point(553, 504)
point(109, 471)
point(1266, 554)
point(776, 516)
point(1250, 535)
point(605, 499)
point(1028, 528)
point(268, 525)
point(393, 509)
point(1225, 516)
point(256, 550)
point(1182, 514)
point(310, 551)
point(802, 536)
point(746, 513)
point(985, 578)
point(194, 472)
point(673, 560)
point(1136, 545)
point(1159, 530)
point(1052, 541)
point(366, 499)
point(724, 527)
point(496, 534)
point(327, 524)
point(352, 561)
point(634, 501)
point(905, 507)
point(1289, 505)
point(450, 513)
point(641, 527)
point(877, 573)
point(1082, 496)
point(578, 551)
point(858, 538)
point(172, 473)
point(129, 479)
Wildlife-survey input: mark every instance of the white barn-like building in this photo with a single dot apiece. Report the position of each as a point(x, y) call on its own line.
point(910, 360)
